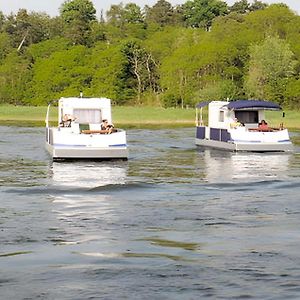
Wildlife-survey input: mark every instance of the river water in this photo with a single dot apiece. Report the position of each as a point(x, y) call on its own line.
point(172, 222)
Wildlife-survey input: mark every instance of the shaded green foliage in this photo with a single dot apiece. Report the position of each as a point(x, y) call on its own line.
point(200, 13)
point(162, 13)
point(108, 65)
point(64, 73)
point(162, 55)
point(271, 65)
point(14, 76)
point(78, 16)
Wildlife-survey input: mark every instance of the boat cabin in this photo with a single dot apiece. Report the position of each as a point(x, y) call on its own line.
point(222, 114)
point(86, 112)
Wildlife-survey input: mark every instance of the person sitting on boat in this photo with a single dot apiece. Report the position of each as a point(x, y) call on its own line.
point(263, 126)
point(106, 126)
point(67, 120)
point(236, 123)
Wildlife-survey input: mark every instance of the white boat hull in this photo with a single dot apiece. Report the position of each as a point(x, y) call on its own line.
point(68, 152)
point(251, 147)
point(242, 140)
point(64, 144)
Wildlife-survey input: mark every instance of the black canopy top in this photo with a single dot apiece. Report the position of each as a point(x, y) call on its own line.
point(202, 104)
point(246, 104)
point(253, 104)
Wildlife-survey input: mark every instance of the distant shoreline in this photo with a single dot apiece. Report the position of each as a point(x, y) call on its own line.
point(131, 117)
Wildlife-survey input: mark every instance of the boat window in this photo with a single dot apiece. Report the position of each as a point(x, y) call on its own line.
point(221, 116)
point(86, 116)
point(247, 116)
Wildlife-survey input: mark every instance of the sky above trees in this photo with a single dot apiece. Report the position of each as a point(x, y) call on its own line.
point(52, 7)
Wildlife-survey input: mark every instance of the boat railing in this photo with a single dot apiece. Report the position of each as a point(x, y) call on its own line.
point(47, 115)
point(99, 131)
point(270, 129)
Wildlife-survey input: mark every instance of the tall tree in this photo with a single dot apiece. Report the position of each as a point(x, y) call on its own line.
point(13, 78)
point(125, 22)
point(2, 20)
point(78, 9)
point(17, 26)
point(56, 26)
point(292, 94)
point(78, 15)
point(119, 15)
point(271, 64)
point(240, 7)
point(258, 5)
point(139, 68)
point(63, 73)
point(26, 29)
point(5, 45)
point(132, 14)
point(179, 68)
point(107, 63)
point(200, 13)
point(161, 13)
point(274, 20)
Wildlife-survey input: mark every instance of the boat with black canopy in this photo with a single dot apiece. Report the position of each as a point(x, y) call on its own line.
point(240, 126)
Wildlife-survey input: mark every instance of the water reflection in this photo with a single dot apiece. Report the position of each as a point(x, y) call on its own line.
point(223, 166)
point(88, 174)
point(81, 200)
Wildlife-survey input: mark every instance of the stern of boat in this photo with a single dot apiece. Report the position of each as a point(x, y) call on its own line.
point(64, 143)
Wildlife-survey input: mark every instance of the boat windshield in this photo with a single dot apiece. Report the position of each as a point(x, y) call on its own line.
point(247, 116)
point(86, 116)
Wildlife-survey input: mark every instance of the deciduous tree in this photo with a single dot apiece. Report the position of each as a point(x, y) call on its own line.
point(240, 7)
point(78, 15)
point(13, 78)
point(200, 13)
point(271, 64)
point(257, 5)
point(64, 73)
point(107, 63)
point(161, 13)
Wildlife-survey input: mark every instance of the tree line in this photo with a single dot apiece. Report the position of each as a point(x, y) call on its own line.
point(161, 55)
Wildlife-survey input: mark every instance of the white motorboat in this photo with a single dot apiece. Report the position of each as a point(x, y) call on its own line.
point(80, 134)
point(236, 126)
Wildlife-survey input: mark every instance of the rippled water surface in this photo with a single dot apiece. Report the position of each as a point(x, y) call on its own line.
point(172, 222)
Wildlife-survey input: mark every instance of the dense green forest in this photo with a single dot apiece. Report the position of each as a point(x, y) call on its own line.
point(162, 55)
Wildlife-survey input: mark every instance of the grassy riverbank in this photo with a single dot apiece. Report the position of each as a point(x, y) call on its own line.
point(128, 116)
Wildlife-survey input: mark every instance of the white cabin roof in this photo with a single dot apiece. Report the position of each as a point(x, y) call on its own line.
point(76, 102)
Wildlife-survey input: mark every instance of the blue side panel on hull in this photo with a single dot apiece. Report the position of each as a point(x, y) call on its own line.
point(215, 134)
point(225, 135)
point(218, 134)
point(200, 133)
